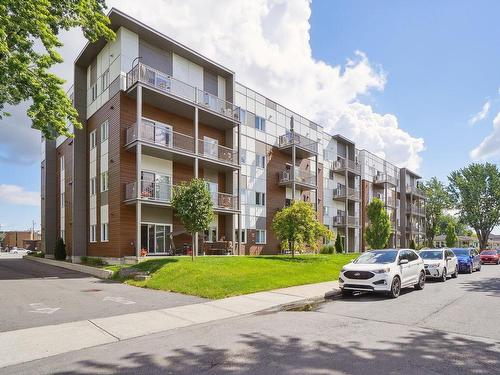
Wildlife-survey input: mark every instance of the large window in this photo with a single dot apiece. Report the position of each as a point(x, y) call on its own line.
point(156, 238)
point(243, 235)
point(104, 232)
point(260, 199)
point(104, 181)
point(92, 234)
point(260, 236)
point(260, 160)
point(260, 123)
point(93, 139)
point(93, 184)
point(62, 203)
point(104, 131)
point(105, 80)
point(211, 234)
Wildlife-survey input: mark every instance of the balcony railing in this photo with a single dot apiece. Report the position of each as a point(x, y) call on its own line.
point(345, 192)
point(163, 192)
point(383, 178)
point(353, 221)
point(163, 136)
point(415, 190)
point(415, 210)
point(301, 176)
point(290, 139)
point(172, 86)
point(347, 164)
point(339, 220)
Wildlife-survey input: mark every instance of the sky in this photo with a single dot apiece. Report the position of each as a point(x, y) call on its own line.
point(416, 82)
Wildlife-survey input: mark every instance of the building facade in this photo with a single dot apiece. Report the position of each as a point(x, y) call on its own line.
point(155, 114)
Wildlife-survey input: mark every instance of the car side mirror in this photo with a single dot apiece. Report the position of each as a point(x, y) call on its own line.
point(403, 261)
point(449, 258)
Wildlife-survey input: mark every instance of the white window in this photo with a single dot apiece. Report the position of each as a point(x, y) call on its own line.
point(104, 181)
point(104, 131)
point(243, 235)
point(94, 91)
point(61, 163)
point(260, 199)
point(105, 80)
point(260, 123)
point(104, 232)
point(211, 234)
point(93, 233)
point(260, 236)
point(93, 139)
point(325, 210)
point(62, 203)
point(243, 157)
point(93, 183)
point(260, 161)
point(62, 234)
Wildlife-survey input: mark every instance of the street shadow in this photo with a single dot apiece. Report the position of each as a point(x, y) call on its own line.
point(419, 352)
point(490, 286)
point(20, 269)
point(154, 265)
point(372, 296)
point(288, 259)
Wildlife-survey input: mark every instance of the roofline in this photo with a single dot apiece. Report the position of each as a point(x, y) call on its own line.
point(411, 172)
point(339, 137)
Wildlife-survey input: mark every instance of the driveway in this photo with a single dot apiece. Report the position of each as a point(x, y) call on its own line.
point(34, 294)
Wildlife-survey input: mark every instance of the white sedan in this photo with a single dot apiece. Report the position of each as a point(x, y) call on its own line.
point(440, 263)
point(386, 271)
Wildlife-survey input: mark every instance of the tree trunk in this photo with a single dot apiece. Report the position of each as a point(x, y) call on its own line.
point(292, 244)
point(193, 245)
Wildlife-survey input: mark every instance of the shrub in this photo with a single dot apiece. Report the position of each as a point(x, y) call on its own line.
point(60, 250)
point(339, 246)
point(90, 261)
point(412, 244)
point(327, 249)
point(38, 254)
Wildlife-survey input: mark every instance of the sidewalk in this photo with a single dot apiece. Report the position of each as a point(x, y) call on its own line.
point(34, 343)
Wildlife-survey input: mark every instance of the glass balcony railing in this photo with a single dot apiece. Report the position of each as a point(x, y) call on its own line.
point(172, 86)
point(290, 139)
point(345, 192)
point(301, 176)
point(346, 164)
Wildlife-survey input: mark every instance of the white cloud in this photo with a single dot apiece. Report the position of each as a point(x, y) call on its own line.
point(481, 115)
point(490, 145)
point(18, 195)
point(267, 44)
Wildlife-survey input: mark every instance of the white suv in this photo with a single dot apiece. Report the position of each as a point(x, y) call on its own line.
point(383, 271)
point(440, 263)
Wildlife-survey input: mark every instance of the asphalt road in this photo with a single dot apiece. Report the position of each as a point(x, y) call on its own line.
point(34, 294)
point(447, 328)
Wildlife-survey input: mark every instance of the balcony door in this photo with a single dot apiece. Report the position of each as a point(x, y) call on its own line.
point(210, 147)
point(156, 238)
point(164, 135)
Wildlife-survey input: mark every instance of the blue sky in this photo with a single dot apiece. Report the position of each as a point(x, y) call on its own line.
point(440, 61)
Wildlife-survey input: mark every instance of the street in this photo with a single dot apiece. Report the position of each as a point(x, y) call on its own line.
point(448, 328)
point(34, 294)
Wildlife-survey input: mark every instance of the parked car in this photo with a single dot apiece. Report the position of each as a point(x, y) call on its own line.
point(468, 259)
point(489, 256)
point(440, 263)
point(386, 271)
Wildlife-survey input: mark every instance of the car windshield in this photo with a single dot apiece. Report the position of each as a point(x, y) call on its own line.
point(488, 253)
point(461, 252)
point(377, 256)
point(437, 254)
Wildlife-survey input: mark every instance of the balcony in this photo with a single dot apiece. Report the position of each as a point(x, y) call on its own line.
point(414, 229)
point(305, 147)
point(384, 178)
point(342, 221)
point(303, 179)
point(173, 87)
point(342, 193)
point(161, 193)
point(342, 165)
point(415, 210)
point(179, 145)
point(415, 191)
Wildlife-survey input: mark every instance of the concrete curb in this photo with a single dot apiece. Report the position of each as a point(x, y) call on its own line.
point(97, 272)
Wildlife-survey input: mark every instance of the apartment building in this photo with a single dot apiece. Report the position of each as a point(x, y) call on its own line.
point(156, 114)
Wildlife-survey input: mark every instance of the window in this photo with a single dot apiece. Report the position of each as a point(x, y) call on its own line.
point(94, 92)
point(104, 181)
point(260, 236)
point(62, 234)
point(325, 211)
point(211, 234)
point(93, 186)
point(260, 199)
point(260, 123)
point(93, 233)
point(330, 174)
point(93, 139)
point(104, 232)
point(260, 160)
point(104, 131)
point(243, 157)
point(105, 80)
point(243, 235)
point(61, 164)
point(62, 201)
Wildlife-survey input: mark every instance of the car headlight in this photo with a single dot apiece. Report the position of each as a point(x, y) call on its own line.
point(343, 270)
point(383, 270)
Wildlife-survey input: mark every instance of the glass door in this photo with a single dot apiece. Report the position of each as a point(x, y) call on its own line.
point(164, 188)
point(147, 185)
point(210, 147)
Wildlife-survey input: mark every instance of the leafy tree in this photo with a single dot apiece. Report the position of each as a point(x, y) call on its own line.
point(475, 190)
point(412, 244)
point(460, 228)
point(298, 226)
point(379, 228)
point(194, 207)
point(437, 200)
point(60, 250)
point(339, 245)
point(24, 67)
point(451, 235)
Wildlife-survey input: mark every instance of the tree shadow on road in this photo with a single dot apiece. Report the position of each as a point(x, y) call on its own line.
point(20, 269)
point(490, 286)
point(419, 352)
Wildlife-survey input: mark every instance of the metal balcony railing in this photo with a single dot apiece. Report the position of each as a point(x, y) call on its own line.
point(225, 201)
point(301, 176)
point(412, 209)
point(172, 86)
point(339, 220)
point(163, 136)
point(347, 164)
point(383, 178)
point(415, 190)
point(352, 221)
point(290, 139)
point(345, 192)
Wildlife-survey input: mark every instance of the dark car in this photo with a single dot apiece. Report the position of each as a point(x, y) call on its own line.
point(468, 259)
point(489, 256)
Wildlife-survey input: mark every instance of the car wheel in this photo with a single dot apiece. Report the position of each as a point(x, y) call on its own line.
point(421, 281)
point(346, 293)
point(478, 268)
point(395, 287)
point(471, 268)
point(443, 276)
point(455, 274)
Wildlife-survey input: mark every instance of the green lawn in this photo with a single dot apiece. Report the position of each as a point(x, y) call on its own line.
point(218, 277)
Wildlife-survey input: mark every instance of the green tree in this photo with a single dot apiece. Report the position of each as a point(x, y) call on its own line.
point(437, 200)
point(24, 67)
point(339, 245)
point(60, 250)
point(379, 227)
point(475, 190)
point(451, 235)
point(193, 205)
point(460, 228)
point(297, 226)
point(412, 244)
